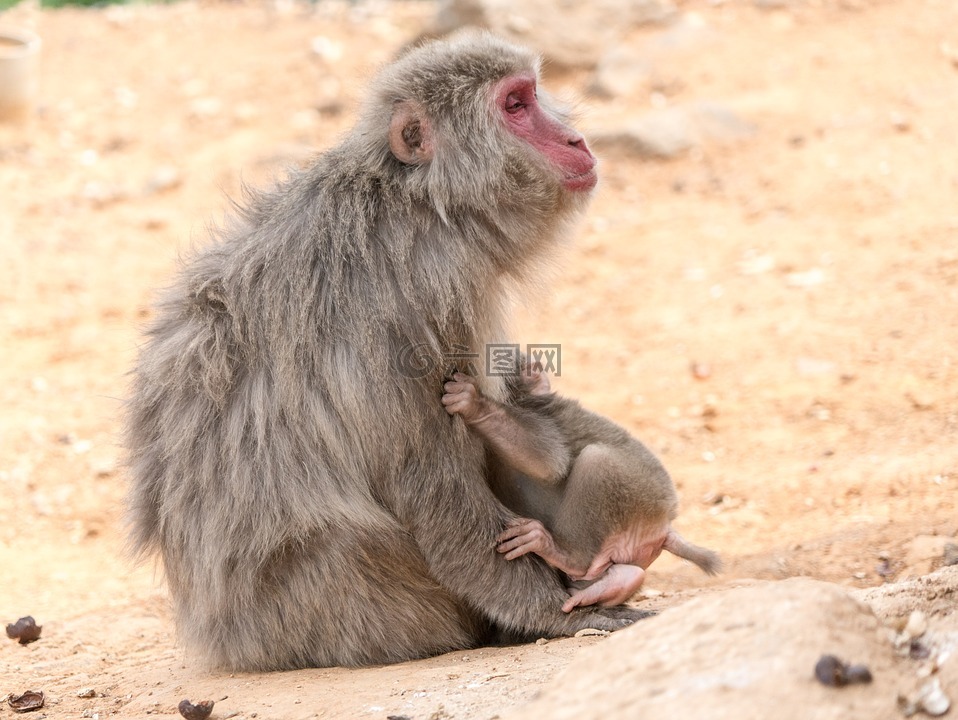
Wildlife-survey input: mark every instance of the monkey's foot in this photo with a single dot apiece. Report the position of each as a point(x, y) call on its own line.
point(626, 613)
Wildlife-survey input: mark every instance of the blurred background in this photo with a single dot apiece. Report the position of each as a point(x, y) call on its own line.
point(765, 289)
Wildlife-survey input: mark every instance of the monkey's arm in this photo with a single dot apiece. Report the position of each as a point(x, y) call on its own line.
point(524, 536)
point(524, 441)
point(618, 584)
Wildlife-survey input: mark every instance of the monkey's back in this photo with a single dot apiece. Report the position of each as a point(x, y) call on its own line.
point(261, 448)
point(642, 486)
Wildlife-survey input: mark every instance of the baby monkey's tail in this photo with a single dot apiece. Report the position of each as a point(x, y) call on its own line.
point(706, 559)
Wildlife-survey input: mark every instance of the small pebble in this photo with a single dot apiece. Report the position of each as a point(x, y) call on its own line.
point(25, 630)
point(199, 711)
point(589, 632)
point(831, 671)
point(30, 700)
point(163, 178)
point(916, 625)
point(929, 698)
point(918, 650)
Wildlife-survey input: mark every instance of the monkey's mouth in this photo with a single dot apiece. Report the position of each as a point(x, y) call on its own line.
point(581, 182)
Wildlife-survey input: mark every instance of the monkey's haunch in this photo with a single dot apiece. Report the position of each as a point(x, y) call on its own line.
point(312, 503)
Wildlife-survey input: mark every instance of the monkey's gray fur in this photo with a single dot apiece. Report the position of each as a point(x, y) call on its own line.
point(312, 502)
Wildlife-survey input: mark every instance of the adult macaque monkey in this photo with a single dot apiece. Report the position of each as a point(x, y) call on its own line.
point(598, 505)
point(290, 461)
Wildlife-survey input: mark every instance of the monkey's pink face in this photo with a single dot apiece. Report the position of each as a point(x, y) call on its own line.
point(561, 145)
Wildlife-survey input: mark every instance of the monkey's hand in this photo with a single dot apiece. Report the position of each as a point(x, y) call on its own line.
point(462, 398)
point(618, 584)
point(524, 535)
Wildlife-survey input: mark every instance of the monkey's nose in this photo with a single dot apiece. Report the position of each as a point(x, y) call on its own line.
point(577, 143)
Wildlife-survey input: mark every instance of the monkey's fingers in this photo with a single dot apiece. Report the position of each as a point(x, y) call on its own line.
point(458, 404)
point(460, 388)
point(456, 409)
point(519, 526)
point(463, 378)
point(507, 535)
point(510, 546)
point(529, 547)
point(450, 398)
point(528, 542)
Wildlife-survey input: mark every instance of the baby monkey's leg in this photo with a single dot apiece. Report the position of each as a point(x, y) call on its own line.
point(618, 584)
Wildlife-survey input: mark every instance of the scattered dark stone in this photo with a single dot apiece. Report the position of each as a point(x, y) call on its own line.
point(858, 674)
point(200, 711)
point(30, 700)
point(398, 717)
point(917, 650)
point(884, 569)
point(25, 630)
point(950, 556)
point(831, 671)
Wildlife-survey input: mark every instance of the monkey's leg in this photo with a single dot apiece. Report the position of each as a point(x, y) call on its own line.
point(619, 581)
point(356, 593)
point(614, 587)
point(624, 612)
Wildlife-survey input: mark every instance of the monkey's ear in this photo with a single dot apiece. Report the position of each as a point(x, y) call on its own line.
point(410, 134)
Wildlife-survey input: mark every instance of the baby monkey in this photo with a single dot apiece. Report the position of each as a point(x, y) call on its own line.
point(594, 502)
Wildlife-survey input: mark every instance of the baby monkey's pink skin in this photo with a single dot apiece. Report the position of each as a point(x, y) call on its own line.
point(614, 587)
point(616, 573)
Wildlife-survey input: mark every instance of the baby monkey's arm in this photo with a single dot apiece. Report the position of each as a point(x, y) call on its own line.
point(526, 442)
point(524, 535)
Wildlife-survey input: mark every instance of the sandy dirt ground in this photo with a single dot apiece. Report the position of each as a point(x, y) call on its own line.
point(777, 317)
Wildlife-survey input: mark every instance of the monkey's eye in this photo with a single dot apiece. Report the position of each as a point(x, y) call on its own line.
point(514, 103)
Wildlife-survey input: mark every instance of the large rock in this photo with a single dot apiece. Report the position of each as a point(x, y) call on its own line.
point(634, 69)
point(667, 133)
point(935, 594)
point(924, 554)
point(748, 652)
